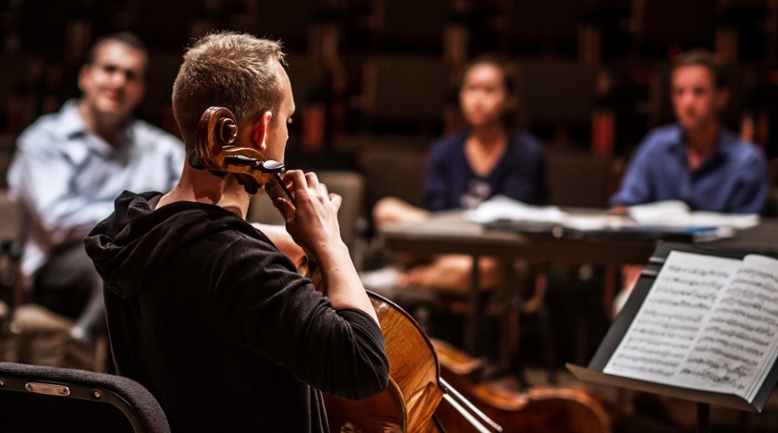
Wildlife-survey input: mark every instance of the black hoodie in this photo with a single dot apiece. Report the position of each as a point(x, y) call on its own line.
point(209, 316)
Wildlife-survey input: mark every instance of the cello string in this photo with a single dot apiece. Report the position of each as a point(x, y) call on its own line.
point(468, 416)
point(470, 406)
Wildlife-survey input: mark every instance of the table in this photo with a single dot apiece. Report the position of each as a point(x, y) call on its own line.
point(450, 233)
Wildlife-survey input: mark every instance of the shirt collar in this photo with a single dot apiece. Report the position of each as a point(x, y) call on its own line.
point(71, 125)
point(70, 122)
point(724, 142)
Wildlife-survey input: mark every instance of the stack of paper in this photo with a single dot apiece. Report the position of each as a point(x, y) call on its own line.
point(677, 214)
point(674, 214)
point(504, 208)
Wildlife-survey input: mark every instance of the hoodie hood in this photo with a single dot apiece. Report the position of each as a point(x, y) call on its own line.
point(130, 248)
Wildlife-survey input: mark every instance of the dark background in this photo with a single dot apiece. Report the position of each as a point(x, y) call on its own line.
point(594, 72)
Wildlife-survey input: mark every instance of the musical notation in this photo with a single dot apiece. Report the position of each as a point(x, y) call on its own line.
point(708, 323)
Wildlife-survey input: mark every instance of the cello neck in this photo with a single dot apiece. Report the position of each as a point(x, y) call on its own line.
point(276, 188)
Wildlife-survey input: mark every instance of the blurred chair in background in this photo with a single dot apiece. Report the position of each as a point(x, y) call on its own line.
point(349, 185)
point(577, 178)
point(559, 96)
point(404, 91)
point(571, 310)
point(29, 332)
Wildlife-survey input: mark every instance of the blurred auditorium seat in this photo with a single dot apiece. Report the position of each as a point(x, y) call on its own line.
point(7, 146)
point(544, 24)
point(307, 77)
point(348, 184)
point(393, 167)
point(577, 178)
point(404, 89)
point(21, 76)
point(558, 93)
point(410, 25)
point(658, 24)
point(31, 333)
point(162, 72)
point(635, 99)
point(10, 217)
point(288, 21)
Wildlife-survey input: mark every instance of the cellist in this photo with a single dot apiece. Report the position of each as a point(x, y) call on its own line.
point(202, 308)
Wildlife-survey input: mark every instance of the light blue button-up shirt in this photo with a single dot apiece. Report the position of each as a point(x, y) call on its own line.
point(733, 179)
point(66, 179)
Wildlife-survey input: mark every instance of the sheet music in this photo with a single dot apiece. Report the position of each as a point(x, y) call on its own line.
point(737, 346)
point(667, 326)
point(501, 207)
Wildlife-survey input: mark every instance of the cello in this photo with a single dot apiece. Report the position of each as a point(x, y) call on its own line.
point(415, 387)
point(537, 409)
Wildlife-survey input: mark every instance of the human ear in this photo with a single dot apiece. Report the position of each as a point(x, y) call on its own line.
point(83, 76)
point(259, 133)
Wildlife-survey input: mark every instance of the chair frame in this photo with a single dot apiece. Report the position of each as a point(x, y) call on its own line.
point(86, 386)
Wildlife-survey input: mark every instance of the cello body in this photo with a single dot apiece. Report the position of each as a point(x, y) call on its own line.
point(409, 402)
point(538, 409)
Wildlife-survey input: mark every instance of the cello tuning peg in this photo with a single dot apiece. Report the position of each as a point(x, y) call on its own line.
point(271, 166)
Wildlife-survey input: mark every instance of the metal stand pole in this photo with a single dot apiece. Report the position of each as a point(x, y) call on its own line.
point(473, 314)
point(703, 418)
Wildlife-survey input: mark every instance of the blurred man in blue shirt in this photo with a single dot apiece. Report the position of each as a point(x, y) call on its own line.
point(697, 160)
point(71, 165)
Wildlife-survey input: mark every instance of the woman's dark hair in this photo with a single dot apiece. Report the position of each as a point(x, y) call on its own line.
point(515, 118)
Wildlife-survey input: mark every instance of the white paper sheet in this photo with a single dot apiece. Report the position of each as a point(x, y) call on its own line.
point(504, 208)
point(677, 214)
point(708, 323)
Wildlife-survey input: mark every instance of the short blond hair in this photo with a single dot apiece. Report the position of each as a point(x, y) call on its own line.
point(231, 70)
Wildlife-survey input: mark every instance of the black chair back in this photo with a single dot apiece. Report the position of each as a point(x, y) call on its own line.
point(48, 399)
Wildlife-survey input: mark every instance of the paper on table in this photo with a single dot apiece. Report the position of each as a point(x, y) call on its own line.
point(658, 211)
point(738, 221)
point(708, 323)
point(504, 208)
point(596, 222)
point(659, 214)
point(677, 213)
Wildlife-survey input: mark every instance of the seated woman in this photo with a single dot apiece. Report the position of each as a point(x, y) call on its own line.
point(487, 157)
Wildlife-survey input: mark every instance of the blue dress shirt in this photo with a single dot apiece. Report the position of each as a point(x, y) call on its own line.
point(733, 179)
point(66, 179)
point(451, 183)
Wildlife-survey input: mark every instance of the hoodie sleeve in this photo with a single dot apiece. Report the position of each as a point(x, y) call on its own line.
point(268, 307)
